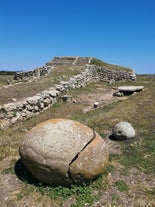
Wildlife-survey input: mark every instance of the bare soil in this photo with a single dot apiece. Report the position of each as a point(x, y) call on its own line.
point(10, 184)
point(103, 97)
point(140, 191)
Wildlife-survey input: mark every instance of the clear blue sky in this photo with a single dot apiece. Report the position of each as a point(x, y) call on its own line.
point(120, 32)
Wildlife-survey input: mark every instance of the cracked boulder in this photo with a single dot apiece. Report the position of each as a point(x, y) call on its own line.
point(64, 152)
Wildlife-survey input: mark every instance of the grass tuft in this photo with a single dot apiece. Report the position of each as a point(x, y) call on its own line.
point(137, 154)
point(121, 185)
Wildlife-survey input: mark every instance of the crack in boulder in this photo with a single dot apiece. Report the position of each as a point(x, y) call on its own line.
point(77, 155)
point(83, 152)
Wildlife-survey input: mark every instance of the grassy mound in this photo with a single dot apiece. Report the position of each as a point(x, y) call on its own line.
point(109, 66)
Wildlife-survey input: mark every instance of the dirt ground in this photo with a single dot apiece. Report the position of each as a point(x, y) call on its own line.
point(138, 182)
point(11, 185)
point(103, 96)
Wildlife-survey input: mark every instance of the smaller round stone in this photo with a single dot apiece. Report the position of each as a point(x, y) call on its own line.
point(123, 130)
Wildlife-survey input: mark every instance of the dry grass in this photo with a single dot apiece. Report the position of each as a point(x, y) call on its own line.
point(29, 88)
point(4, 78)
point(129, 179)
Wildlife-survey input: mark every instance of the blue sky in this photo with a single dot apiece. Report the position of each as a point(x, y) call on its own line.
point(120, 32)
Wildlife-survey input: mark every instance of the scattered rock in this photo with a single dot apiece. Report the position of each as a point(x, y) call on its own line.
point(98, 85)
point(96, 104)
point(74, 101)
point(31, 106)
point(4, 123)
point(118, 94)
point(66, 98)
point(64, 152)
point(123, 130)
point(14, 99)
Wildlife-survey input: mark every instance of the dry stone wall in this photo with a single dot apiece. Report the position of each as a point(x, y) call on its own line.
point(41, 71)
point(62, 61)
point(24, 109)
point(38, 72)
point(104, 74)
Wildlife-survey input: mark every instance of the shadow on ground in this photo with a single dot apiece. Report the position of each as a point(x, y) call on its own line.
point(24, 174)
point(113, 138)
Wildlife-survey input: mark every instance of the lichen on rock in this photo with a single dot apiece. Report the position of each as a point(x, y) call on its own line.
point(64, 152)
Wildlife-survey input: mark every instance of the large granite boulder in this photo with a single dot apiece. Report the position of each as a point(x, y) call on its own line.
point(64, 152)
point(123, 130)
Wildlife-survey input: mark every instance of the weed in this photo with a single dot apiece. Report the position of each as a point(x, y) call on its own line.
point(139, 110)
point(8, 170)
point(4, 111)
point(83, 195)
point(121, 185)
point(140, 155)
point(115, 197)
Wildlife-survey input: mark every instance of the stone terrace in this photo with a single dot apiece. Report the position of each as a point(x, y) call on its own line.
point(76, 61)
point(83, 61)
point(26, 108)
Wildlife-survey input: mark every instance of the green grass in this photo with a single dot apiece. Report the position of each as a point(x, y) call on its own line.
point(115, 197)
point(26, 89)
point(82, 194)
point(10, 169)
point(103, 64)
point(121, 185)
point(3, 72)
point(138, 153)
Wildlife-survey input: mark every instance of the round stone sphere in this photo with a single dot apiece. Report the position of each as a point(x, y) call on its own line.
point(123, 130)
point(64, 152)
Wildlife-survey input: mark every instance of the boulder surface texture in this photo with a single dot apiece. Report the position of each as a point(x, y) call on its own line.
point(64, 152)
point(130, 88)
point(123, 130)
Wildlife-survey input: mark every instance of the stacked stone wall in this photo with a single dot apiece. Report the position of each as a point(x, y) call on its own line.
point(26, 75)
point(104, 74)
point(24, 109)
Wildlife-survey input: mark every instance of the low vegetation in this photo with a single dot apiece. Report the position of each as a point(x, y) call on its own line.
point(3, 72)
point(29, 88)
point(5, 76)
point(129, 178)
point(103, 64)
